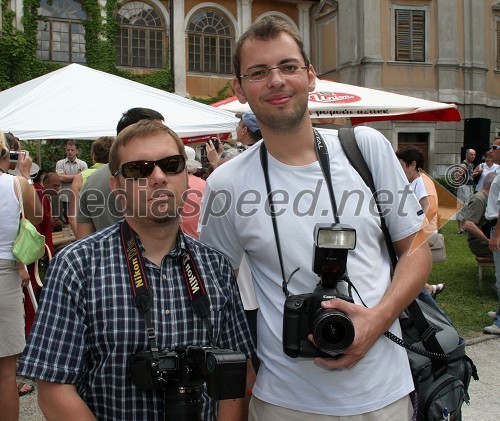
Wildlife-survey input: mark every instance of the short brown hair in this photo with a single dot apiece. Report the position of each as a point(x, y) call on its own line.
point(140, 129)
point(264, 29)
point(100, 149)
point(410, 154)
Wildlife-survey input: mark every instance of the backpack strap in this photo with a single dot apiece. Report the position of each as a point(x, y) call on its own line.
point(427, 333)
point(358, 162)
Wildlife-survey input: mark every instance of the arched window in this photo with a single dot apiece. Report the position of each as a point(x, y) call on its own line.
point(211, 40)
point(60, 35)
point(141, 36)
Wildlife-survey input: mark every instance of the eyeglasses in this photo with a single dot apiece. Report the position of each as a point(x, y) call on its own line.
point(495, 147)
point(258, 74)
point(173, 164)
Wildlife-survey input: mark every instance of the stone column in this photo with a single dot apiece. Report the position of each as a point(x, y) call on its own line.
point(371, 59)
point(305, 25)
point(475, 67)
point(179, 46)
point(244, 16)
point(17, 7)
point(447, 49)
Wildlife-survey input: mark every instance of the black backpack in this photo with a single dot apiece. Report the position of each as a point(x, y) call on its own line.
point(441, 370)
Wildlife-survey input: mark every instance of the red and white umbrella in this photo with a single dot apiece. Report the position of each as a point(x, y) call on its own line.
point(333, 100)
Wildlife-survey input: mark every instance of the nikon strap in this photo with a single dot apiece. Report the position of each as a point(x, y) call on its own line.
point(140, 287)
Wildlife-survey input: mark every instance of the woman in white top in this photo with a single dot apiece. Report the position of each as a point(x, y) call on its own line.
point(11, 299)
point(483, 169)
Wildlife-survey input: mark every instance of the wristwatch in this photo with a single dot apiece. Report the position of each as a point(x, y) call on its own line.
point(30, 181)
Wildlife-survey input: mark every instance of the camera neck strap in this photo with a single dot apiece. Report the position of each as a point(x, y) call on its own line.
point(140, 287)
point(324, 163)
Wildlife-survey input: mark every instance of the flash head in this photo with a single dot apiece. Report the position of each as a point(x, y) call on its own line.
point(335, 236)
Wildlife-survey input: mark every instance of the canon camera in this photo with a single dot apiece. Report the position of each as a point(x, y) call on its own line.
point(332, 330)
point(182, 372)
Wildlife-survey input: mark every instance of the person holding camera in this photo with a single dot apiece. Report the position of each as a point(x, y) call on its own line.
point(213, 149)
point(304, 219)
point(139, 321)
point(13, 274)
point(248, 131)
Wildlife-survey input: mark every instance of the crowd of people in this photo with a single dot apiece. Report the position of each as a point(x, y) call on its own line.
point(172, 302)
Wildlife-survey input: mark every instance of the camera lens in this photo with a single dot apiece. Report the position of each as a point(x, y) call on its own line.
point(333, 331)
point(182, 403)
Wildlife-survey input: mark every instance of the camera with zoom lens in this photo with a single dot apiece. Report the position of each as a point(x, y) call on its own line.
point(332, 330)
point(182, 372)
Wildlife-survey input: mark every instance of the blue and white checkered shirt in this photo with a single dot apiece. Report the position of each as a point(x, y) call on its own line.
point(87, 326)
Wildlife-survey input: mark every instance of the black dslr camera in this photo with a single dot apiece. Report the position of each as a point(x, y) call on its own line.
point(332, 330)
point(182, 372)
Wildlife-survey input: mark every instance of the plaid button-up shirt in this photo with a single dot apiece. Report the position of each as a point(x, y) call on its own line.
point(87, 326)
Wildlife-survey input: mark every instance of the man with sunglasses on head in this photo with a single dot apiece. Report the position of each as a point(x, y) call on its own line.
point(371, 379)
point(88, 327)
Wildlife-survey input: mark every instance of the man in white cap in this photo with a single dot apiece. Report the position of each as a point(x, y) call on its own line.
point(192, 202)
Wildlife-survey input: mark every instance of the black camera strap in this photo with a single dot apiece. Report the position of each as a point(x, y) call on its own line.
point(324, 163)
point(142, 294)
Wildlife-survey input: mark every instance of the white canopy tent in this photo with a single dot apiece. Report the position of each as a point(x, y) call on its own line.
point(333, 100)
point(77, 102)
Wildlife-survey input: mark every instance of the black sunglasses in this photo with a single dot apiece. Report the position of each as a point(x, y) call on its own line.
point(173, 164)
point(495, 147)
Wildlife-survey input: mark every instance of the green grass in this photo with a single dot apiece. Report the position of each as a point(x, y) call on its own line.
point(462, 300)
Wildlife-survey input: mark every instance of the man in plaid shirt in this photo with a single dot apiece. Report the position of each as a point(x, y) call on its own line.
point(87, 326)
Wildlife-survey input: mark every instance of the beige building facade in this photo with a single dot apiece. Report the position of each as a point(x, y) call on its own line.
point(441, 50)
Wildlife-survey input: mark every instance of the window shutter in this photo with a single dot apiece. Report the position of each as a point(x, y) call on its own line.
point(410, 35)
point(418, 35)
point(403, 35)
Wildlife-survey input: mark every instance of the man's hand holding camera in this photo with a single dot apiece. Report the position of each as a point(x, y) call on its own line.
point(212, 148)
point(326, 325)
point(367, 333)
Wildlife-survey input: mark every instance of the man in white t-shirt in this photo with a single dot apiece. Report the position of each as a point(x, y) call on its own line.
point(372, 377)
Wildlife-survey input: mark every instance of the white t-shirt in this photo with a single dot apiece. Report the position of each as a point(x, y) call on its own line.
point(245, 285)
point(236, 220)
point(418, 188)
point(493, 206)
point(9, 222)
point(485, 171)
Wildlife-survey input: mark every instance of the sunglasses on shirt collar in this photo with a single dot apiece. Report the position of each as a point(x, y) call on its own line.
point(173, 164)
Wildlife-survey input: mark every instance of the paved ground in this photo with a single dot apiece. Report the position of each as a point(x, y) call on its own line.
point(485, 393)
point(485, 398)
